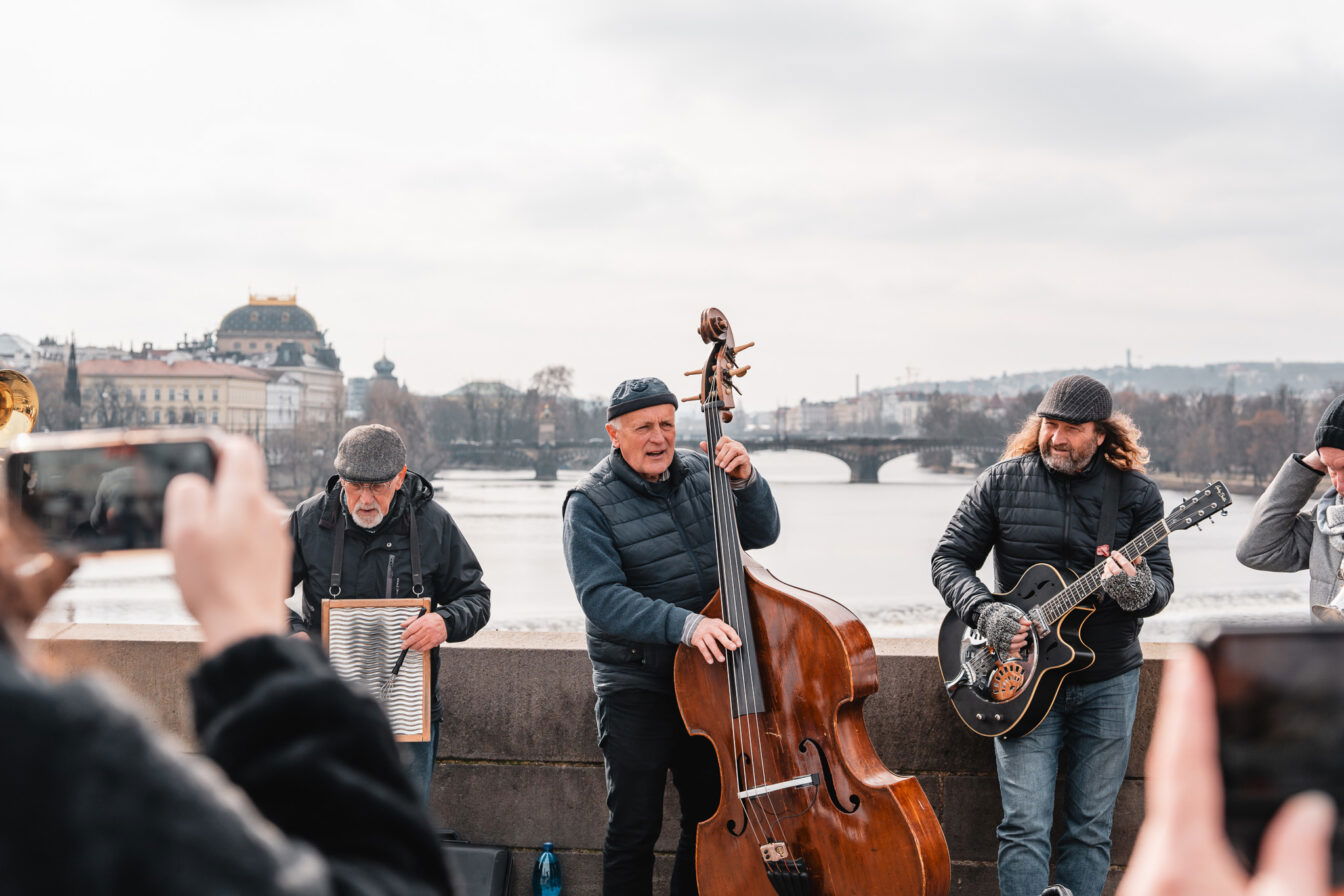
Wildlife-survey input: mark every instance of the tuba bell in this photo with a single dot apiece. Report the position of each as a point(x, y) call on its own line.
point(18, 406)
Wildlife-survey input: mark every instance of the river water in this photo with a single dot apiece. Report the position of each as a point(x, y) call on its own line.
point(867, 546)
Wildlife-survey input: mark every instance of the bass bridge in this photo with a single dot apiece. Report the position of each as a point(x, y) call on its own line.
point(787, 875)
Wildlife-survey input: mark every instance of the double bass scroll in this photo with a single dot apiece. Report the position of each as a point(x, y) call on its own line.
point(806, 805)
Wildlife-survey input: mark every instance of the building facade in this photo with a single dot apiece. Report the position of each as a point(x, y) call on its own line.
point(166, 393)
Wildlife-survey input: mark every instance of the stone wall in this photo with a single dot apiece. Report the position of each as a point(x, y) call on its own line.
point(518, 759)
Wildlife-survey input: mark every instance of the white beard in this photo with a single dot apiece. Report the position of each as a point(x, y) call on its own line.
point(367, 519)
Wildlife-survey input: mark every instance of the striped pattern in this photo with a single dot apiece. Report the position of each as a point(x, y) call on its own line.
point(364, 643)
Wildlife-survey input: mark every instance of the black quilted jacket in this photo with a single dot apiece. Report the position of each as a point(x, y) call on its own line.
point(1029, 514)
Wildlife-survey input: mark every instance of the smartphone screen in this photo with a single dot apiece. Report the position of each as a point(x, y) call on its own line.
point(1280, 699)
point(105, 498)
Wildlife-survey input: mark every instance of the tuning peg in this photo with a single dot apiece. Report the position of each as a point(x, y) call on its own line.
point(692, 398)
point(694, 372)
point(743, 347)
point(1224, 513)
point(740, 371)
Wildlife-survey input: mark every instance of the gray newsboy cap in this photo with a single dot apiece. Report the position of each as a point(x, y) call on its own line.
point(1076, 399)
point(371, 453)
point(643, 392)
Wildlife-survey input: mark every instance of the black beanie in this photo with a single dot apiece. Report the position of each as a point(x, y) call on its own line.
point(1330, 431)
point(643, 392)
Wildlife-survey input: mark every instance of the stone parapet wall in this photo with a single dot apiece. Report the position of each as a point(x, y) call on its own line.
point(518, 759)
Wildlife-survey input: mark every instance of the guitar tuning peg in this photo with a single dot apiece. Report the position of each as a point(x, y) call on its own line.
point(1224, 513)
point(740, 371)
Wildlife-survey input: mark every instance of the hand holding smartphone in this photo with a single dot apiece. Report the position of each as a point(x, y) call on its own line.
point(102, 490)
point(1183, 848)
point(1279, 698)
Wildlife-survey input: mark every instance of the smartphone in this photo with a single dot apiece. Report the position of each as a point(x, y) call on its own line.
point(97, 491)
point(1280, 701)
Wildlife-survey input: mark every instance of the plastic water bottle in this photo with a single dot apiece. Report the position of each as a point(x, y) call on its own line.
point(546, 873)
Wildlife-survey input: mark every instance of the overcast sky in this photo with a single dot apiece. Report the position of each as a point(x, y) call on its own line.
point(866, 188)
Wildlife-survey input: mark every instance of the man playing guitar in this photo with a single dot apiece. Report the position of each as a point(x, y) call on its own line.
point(1043, 503)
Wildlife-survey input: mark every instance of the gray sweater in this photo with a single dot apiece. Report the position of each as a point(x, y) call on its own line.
point(1282, 537)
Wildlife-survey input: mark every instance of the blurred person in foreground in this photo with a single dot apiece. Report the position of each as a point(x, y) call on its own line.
point(1282, 536)
point(300, 790)
point(1182, 849)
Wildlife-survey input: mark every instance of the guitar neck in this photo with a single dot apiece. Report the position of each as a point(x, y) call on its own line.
point(746, 695)
point(1055, 608)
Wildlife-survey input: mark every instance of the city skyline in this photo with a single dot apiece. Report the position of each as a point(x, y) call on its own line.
point(862, 189)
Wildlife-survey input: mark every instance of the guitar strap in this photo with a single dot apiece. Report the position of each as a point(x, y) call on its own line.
point(1110, 502)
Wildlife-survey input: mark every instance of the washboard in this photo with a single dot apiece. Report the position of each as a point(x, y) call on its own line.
point(363, 640)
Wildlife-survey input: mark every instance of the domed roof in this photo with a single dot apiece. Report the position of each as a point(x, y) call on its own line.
point(269, 318)
point(383, 367)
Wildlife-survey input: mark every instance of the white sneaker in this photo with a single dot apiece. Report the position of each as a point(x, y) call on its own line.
point(1328, 613)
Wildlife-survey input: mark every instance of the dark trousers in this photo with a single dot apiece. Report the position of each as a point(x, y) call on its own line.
point(642, 739)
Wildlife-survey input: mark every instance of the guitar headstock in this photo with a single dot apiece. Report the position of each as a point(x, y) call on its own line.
point(716, 379)
point(1199, 507)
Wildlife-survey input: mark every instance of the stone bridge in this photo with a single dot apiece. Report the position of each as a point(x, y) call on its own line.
point(864, 455)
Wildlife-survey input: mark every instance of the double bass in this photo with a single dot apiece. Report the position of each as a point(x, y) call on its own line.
point(806, 805)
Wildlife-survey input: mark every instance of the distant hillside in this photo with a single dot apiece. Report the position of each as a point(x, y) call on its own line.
point(1241, 377)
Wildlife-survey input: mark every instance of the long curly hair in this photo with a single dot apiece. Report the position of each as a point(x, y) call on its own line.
point(1121, 449)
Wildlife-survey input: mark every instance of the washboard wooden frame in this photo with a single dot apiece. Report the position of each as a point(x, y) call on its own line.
point(372, 679)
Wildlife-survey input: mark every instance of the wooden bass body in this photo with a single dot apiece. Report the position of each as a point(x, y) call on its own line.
point(840, 822)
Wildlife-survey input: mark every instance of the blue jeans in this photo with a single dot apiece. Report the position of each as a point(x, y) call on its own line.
point(417, 759)
point(1090, 727)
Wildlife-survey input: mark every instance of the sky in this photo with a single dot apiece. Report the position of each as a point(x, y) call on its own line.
point(883, 191)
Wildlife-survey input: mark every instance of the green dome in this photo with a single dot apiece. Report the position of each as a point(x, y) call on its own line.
point(268, 319)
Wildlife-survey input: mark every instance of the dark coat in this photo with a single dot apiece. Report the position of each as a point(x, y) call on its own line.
point(1029, 514)
point(642, 559)
point(377, 564)
point(311, 798)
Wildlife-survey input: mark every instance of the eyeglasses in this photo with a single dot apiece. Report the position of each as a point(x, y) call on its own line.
point(374, 488)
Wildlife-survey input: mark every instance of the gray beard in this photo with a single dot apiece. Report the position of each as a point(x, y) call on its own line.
point(1068, 465)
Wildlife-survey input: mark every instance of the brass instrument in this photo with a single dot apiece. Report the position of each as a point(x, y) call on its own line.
point(18, 406)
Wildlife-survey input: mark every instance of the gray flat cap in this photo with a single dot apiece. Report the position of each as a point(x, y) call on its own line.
point(371, 453)
point(642, 392)
point(1076, 399)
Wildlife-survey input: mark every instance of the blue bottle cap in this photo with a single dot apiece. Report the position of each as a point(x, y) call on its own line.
point(548, 846)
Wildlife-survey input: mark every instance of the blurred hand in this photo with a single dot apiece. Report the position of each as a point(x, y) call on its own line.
point(425, 633)
point(231, 549)
point(712, 636)
point(1182, 849)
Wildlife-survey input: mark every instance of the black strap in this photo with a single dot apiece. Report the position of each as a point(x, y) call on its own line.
point(417, 580)
point(1110, 502)
point(337, 554)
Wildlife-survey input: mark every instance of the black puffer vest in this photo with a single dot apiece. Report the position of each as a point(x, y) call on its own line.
point(664, 533)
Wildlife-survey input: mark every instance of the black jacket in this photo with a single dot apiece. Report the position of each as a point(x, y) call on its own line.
point(311, 799)
point(377, 564)
point(1029, 514)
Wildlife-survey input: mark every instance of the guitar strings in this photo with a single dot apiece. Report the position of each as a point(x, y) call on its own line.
point(735, 672)
point(743, 673)
point(744, 681)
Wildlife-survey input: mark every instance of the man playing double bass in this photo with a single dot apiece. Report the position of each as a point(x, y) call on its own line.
point(1042, 503)
point(639, 543)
